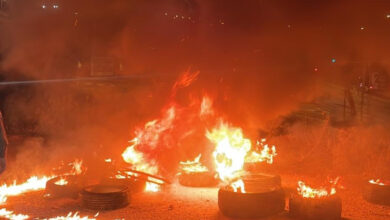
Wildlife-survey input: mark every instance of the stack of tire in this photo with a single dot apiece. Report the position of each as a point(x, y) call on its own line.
point(105, 197)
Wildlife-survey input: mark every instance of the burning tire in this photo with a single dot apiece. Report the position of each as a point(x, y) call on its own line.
point(250, 205)
point(315, 208)
point(198, 179)
point(63, 186)
point(264, 197)
point(105, 197)
point(377, 193)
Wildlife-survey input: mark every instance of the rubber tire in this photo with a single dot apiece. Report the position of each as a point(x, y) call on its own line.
point(134, 185)
point(377, 194)
point(200, 179)
point(71, 190)
point(267, 181)
point(315, 208)
point(105, 200)
point(250, 205)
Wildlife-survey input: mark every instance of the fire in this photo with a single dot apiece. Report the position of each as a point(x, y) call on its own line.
point(32, 184)
point(61, 182)
point(152, 187)
point(185, 80)
point(308, 192)
point(193, 166)
point(137, 159)
point(377, 181)
point(230, 151)
point(206, 107)
point(4, 213)
point(238, 186)
point(77, 167)
point(266, 155)
point(74, 216)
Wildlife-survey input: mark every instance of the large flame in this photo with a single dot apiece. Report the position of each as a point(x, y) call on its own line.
point(308, 192)
point(230, 151)
point(138, 160)
point(193, 166)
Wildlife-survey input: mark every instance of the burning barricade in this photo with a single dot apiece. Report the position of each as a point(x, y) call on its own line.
point(244, 195)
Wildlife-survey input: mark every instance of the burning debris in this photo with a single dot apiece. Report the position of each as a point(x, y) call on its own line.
point(195, 174)
point(322, 203)
point(377, 191)
point(308, 192)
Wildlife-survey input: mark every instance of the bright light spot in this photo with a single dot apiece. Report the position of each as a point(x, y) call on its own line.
point(333, 60)
point(388, 16)
point(55, 6)
point(43, 6)
point(362, 28)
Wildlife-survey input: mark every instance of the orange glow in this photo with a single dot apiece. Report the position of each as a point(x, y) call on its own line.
point(32, 184)
point(308, 192)
point(185, 80)
point(206, 107)
point(61, 182)
point(193, 166)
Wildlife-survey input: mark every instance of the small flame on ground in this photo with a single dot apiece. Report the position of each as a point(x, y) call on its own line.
point(308, 192)
point(32, 184)
point(193, 166)
point(4, 213)
point(377, 182)
point(108, 160)
point(61, 182)
point(74, 216)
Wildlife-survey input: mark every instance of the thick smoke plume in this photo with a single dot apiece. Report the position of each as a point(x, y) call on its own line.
point(257, 59)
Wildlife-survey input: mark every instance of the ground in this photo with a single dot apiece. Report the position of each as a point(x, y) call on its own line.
point(178, 202)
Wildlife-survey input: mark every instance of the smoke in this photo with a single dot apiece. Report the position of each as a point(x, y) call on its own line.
point(257, 59)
